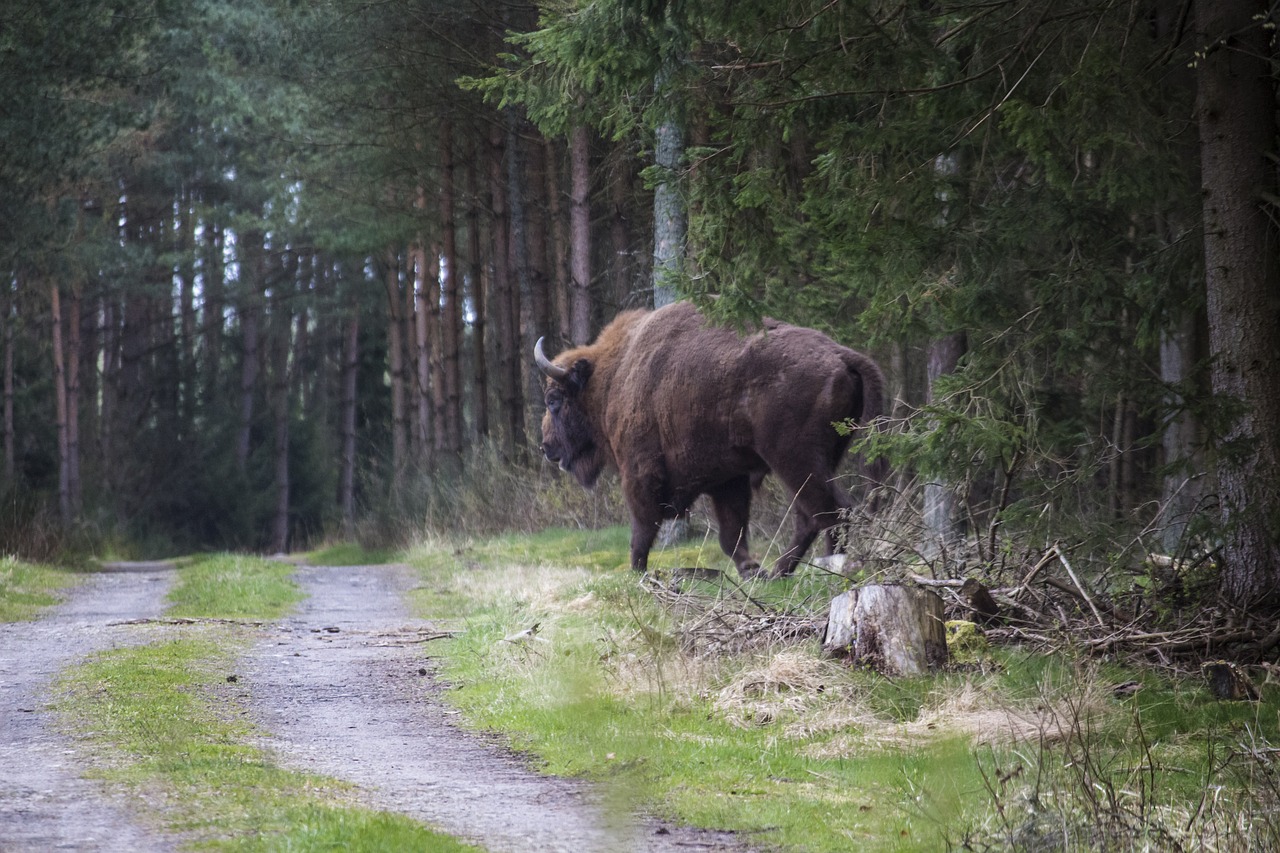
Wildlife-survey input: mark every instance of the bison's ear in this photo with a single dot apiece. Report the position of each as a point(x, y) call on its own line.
point(579, 373)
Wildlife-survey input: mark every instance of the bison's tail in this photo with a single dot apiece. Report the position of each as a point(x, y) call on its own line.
point(871, 380)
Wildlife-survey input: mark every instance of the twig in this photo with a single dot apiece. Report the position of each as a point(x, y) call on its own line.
point(1045, 559)
point(923, 581)
point(1063, 559)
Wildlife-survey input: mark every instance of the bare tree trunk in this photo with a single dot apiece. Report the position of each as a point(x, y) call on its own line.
point(500, 299)
point(1236, 112)
point(350, 373)
point(560, 275)
point(670, 219)
point(187, 313)
point(250, 311)
point(418, 309)
point(60, 407)
point(435, 351)
point(536, 302)
point(282, 323)
point(480, 395)
point(72, 363)
point(107, 415)
point(1180, 494)
point(395, 358)
point(619, 234)
point(518, 293)
point(212, 288)
point(940, 517)
point(8, 324)
point(451, 304)
point(580, 236)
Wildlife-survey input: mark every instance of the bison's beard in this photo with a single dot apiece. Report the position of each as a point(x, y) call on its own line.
point(586, 467)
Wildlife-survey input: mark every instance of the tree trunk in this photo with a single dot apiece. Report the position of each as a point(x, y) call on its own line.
point(395, 364)
point(621, 271)
point(425, 337)
point(941, 519)
point(451, 304)
point(60, 407)
point(580, 236)
point(499, 293)
point(1180, 493)
point(536, 317)
point(212, 288)
point(670, 219)
point(282, 323)
point(896, 630)
point(72, 363)
point(8, 327)
point(250, 310)
point(520, 286)
point(107, 415)
point(480, 393)
point(350, 372)
point(1235, 109)
point(561, 277)
point(187, 313)
point(433, 321)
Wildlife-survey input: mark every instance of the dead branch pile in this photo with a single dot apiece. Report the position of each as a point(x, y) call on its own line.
point(729, 621)
point(1054, 607)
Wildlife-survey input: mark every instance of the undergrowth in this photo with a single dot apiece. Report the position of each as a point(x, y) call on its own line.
point(583, 666)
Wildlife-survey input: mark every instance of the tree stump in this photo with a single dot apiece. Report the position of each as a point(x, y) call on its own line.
point(897, 630)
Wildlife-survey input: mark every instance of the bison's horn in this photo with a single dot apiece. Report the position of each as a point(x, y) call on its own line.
point(545, 364)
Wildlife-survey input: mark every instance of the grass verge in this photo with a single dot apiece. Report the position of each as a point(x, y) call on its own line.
point(28, 588)
point(175, 732)
point(704, 715)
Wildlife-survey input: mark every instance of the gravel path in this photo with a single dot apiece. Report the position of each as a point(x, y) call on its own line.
point(343, 689)
point(45, 804)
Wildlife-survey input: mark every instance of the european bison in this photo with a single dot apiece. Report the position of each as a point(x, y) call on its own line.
point(682, 408)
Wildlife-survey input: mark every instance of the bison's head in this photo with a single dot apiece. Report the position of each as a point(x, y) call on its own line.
point(568, 438)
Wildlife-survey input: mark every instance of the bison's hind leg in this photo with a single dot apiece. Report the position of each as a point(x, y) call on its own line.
point(818, 502)
point(731, 503)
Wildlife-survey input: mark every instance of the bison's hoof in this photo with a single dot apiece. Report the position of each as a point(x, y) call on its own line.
point(750, 570)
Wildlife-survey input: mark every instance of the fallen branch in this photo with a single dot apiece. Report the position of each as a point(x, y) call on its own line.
point(188, 621)
point(923, 581)
point(1070, 571)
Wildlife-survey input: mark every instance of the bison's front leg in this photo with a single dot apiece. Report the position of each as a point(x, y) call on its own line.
point(646, 516)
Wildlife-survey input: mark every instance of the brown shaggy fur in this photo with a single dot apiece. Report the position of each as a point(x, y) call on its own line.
point(682, 408)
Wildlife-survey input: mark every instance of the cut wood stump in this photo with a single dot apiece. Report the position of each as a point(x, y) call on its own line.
point(897, 630)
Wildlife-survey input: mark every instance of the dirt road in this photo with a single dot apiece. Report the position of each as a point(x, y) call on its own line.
point(342, 688)
point(45, 803)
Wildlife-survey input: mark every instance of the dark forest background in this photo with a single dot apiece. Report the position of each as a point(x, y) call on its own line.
point(273, 270)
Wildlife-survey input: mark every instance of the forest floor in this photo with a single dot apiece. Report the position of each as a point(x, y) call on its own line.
point(343, 687)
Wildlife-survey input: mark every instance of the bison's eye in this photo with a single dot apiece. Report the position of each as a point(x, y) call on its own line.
point(555, 400)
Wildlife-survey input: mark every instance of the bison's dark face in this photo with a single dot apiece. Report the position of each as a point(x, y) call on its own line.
point(567, 436)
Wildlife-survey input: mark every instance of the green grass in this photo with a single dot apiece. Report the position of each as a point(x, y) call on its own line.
point(28, 588)
point(232, 586)
point(810, 755)
point(350, 554)
point(172, 723)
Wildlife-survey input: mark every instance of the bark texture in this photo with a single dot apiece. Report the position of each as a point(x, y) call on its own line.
point(897, 630)
point(1235, 110)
